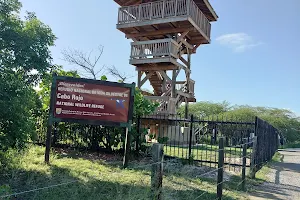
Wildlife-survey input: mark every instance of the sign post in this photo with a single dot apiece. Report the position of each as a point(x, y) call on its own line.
point(91, 102)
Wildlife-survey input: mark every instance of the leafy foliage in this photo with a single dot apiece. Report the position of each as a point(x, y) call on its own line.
point(205, 108)
point(24, 45)
point(24, 58)
point(19, 107)
point(284, 120)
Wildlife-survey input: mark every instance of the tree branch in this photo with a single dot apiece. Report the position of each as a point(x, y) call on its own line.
point(76, 57)
point(121, 76)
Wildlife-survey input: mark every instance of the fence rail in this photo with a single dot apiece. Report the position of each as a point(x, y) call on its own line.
point(162, 10)
point(218, 144)
point(196, 140)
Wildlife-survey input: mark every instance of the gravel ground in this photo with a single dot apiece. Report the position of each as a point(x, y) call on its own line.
point(284, 179)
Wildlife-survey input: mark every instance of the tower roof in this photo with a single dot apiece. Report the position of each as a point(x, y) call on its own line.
point(203, 5)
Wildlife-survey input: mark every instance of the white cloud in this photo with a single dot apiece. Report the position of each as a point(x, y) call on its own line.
point(239, 42)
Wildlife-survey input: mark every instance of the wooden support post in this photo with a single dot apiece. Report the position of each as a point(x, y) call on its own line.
point(127, 148)
point(186, 106)
point(220, 169)
point(164, 82)
point(137, 144)
point(173, 85)
point(253, 158)
point(50, 121)
point(48, 143)
point(189, 59)
point(54, 140)
point(188, 83)
point(245, 145)
point(139, 79)
point(157, 171)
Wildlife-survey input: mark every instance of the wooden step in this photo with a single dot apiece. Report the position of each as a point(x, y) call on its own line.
point(156, 83)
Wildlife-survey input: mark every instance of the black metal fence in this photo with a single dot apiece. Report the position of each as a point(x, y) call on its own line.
point(83, 137)
point(196, 139)
point(267, 142)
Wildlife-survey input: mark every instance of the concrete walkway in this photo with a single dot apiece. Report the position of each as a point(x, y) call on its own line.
point(284, 179)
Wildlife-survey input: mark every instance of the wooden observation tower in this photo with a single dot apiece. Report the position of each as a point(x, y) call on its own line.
point(165, 34)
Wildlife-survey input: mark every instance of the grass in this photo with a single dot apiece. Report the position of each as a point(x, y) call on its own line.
point(295, 144)
point(262, 175)
point(99, 176)
point(207, 153)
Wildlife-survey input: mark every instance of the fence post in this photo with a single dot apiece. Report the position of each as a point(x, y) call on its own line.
point(220, 168)
point(245, 145)
point(54, 141)
point(48, 143)
point(157, 171)
point(127, 148)
point(190, 141)
point(253, 158)
point(137, 143)
point(50, 121)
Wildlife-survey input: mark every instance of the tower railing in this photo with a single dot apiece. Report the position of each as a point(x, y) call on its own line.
point(167, 104)
point(182, 86)
point(162, 10)
point(154, 48)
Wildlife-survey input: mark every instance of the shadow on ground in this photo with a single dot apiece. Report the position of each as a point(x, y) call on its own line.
point(88, 187)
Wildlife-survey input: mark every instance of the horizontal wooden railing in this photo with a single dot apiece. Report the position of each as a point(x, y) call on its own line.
point(182, 86)
point(199, 18)
point(167, 105)
point(164, 9)
point(154, 48)
point(192, 86)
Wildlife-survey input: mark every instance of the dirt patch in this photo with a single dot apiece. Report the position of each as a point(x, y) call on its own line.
point(93, 156)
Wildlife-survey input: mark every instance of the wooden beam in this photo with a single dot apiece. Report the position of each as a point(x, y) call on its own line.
point(160, 77)
point(160, 32)
point(139, 79)
point(186, 110)
point(184, 61)
point(195, 47)
point(164, 86)
point(155, 27)
point(189, 59)
point(156, 68)
point(146, 78)
point(172, 25)
point(181, 37)
point(178, 71)
point(165, 75)
point(187, 44)
point(173, 85)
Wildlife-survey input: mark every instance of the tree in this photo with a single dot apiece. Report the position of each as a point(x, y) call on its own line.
point(284, 120)
point(19, 108)
point(121, 77)
point(24, 59)
point(206, 108)
point(84, 60)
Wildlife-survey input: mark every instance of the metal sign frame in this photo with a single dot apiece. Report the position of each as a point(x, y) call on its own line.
point(53, 99)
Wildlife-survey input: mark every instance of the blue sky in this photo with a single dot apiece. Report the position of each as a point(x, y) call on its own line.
point(254, 56)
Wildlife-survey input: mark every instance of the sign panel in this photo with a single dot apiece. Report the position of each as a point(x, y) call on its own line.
point(91, 101)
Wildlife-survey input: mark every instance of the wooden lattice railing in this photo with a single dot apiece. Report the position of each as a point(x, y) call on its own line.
point(162, 10)
point(167, 105)
point(182, 86)
point(154, 48)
